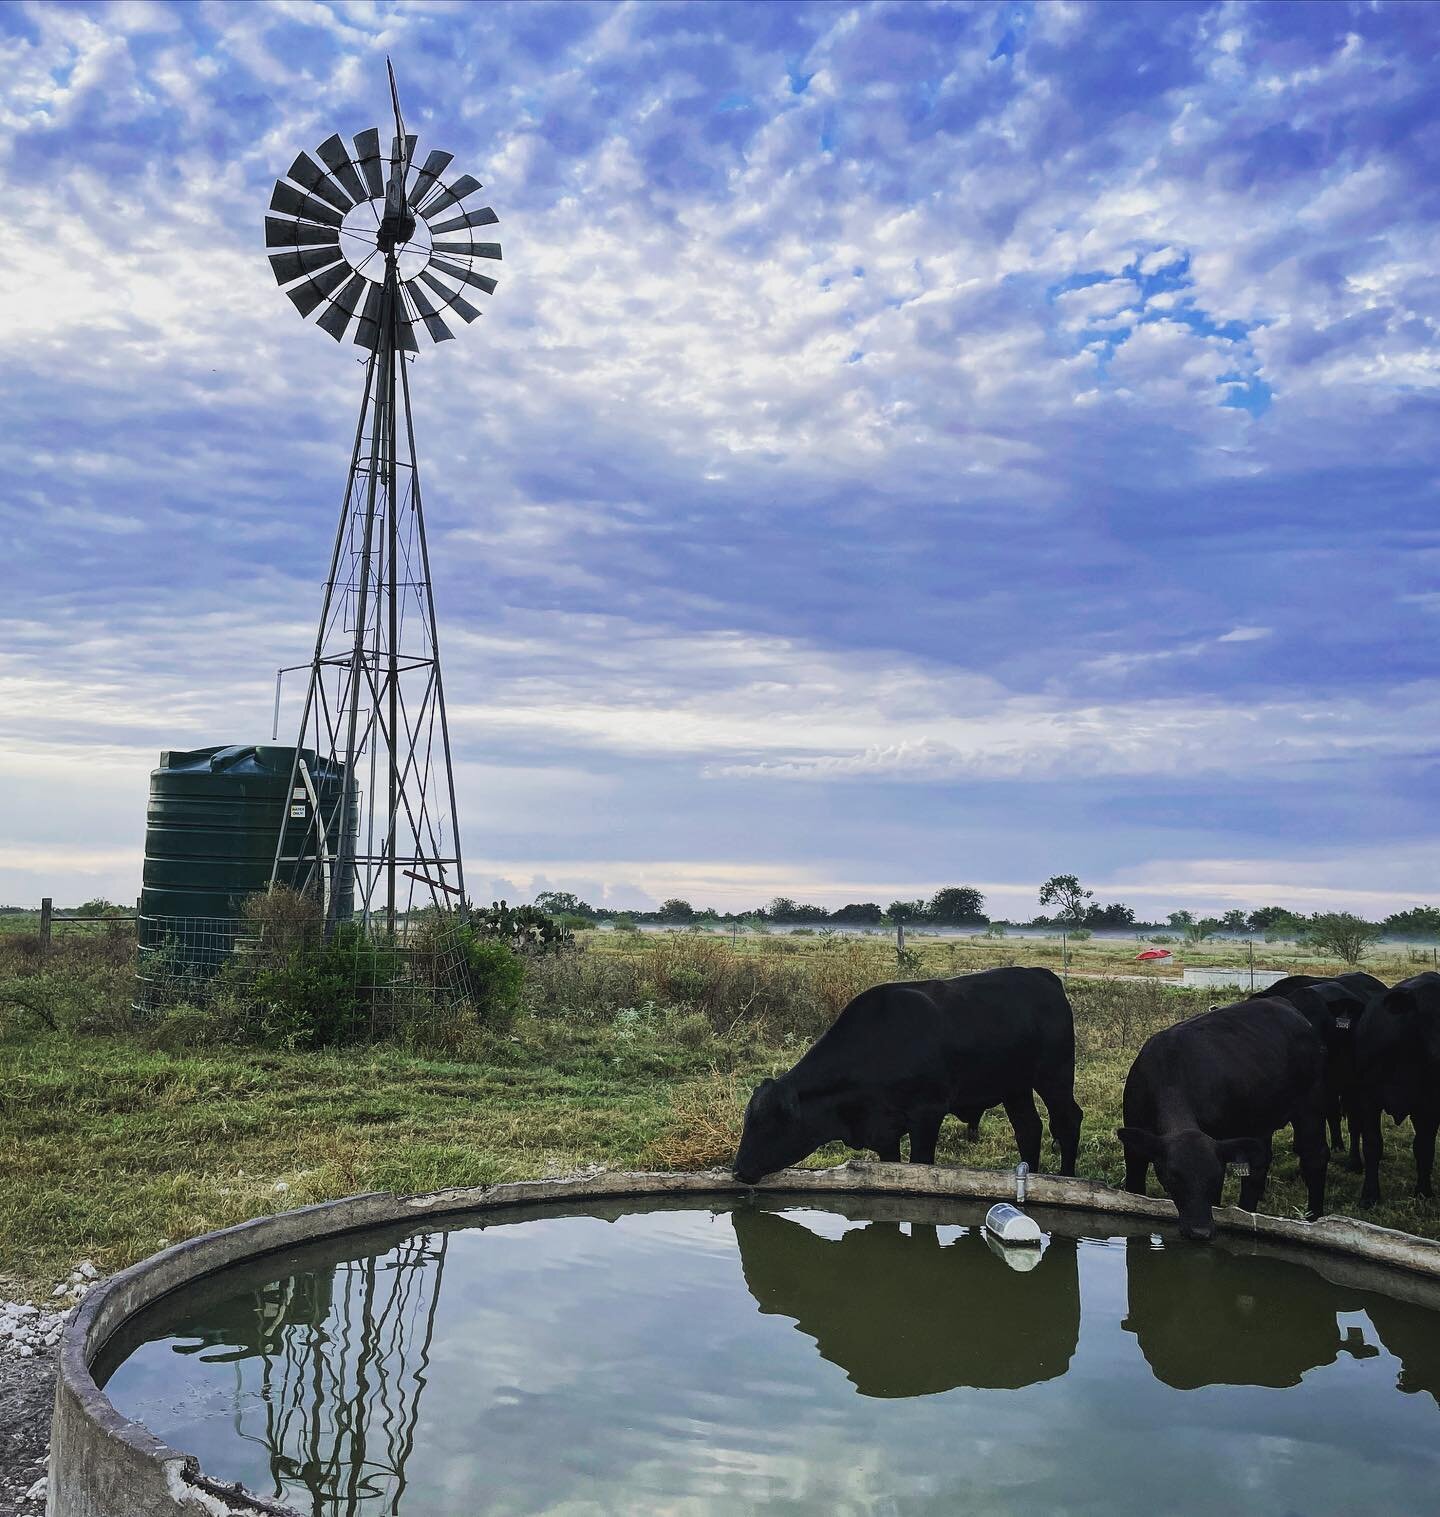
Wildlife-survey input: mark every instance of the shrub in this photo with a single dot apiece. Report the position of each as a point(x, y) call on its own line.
point(524, 928)
point(311, 993)
point(494, 977)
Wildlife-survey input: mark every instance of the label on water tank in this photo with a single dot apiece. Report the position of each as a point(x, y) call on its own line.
point(298, 812)
point(298, 793)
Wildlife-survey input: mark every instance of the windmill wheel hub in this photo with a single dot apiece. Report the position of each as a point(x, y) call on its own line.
point(395, 230)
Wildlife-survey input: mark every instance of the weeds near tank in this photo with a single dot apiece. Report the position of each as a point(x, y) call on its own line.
point(274, 979)
point(703, 1129)
point(82, 987)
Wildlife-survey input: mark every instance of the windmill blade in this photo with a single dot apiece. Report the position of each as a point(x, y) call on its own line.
point(485, 217)
point(437, 329)
point(289, 267)
point(453, 298)
point(469, 249)
point(367, 333)
point(296, 234)
point(435, 165)
point(462, 187)
point(480, 281)
point(337, 160)
point(305, 171)
point(367, 154)
point(309, 294)
point(289, 200)
point(342, 307)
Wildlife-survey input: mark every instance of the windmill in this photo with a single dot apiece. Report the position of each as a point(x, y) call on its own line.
point(380, 249)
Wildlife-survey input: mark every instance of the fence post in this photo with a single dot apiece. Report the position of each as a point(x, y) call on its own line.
point(47, 913)
point(899, 940)
point(1250, 944)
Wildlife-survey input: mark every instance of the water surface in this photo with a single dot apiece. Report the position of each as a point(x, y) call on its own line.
point(868, 1357)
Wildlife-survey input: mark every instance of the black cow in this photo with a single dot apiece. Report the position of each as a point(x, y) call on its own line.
point(1397, 1056)
point(904, 1314)
point(1333, 1007)
point(1212, 1091)
point(902, 1056)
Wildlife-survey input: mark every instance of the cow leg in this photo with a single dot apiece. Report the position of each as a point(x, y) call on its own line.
point(1020, 1108)
point(1372, 1150)
point(972, 1132)
point(1314, 1156)
point(1332, 1121)
point(1252, 1187)
point(888, 1150)
point(1137, 1166)
point(1065, 1118)
point(924, 1134)
point(1424, 1150)
point(1352, 1121)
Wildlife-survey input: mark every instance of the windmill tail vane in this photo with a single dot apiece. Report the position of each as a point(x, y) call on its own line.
point(376, 241)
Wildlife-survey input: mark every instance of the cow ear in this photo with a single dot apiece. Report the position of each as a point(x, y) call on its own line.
point(1399, 1001)
point(1137, 1140)
point(790, 1102)
point(1240, 1151)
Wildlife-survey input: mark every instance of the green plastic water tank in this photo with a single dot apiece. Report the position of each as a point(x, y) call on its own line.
point(210, 832)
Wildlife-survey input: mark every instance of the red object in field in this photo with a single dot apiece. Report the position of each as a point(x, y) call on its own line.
point(1153, 953)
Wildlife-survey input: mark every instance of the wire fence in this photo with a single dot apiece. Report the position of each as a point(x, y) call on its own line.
point(286, 980)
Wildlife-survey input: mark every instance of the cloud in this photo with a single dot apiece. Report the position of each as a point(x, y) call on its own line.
point(893, 397)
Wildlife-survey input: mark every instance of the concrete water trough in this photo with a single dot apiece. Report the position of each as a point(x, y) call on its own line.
point(104, 1465)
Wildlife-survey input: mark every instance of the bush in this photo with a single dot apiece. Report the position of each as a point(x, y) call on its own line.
point(494, 977)
point(524, 928)
point(310, 993)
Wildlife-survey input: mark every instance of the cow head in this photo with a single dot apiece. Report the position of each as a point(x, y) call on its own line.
point(775, 1134)
point(1333, 1010)
point(1191, 1167)
point(1416, 1001)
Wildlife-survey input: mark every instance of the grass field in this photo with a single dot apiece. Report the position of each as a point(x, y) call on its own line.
point(114, 1138)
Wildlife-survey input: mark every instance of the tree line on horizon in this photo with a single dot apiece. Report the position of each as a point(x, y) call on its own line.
point(1073, 908)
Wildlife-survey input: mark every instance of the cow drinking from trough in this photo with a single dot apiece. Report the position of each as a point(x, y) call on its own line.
point(1397, 1059)
point(1212, 1091)
point(900, 1057)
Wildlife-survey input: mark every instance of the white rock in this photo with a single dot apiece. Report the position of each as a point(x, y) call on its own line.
point(63, 1289)
point(87, 1269)
point(36, 1491)
point(281, 1187)
point(25, 1351)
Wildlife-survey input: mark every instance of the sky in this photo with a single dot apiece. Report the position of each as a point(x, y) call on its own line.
point(909, 445)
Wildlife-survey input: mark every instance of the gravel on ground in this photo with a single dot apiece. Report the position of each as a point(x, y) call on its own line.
point(29, 1347)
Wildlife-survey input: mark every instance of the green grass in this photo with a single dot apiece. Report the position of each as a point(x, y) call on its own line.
point(110, 1147)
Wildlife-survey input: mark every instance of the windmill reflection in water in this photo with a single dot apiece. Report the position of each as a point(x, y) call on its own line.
point(343, 1356)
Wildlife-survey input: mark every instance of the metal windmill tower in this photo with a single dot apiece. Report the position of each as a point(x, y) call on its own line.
point(373, 240)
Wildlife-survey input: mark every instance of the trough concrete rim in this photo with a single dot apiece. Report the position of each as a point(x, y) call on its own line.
point(88, 1430)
